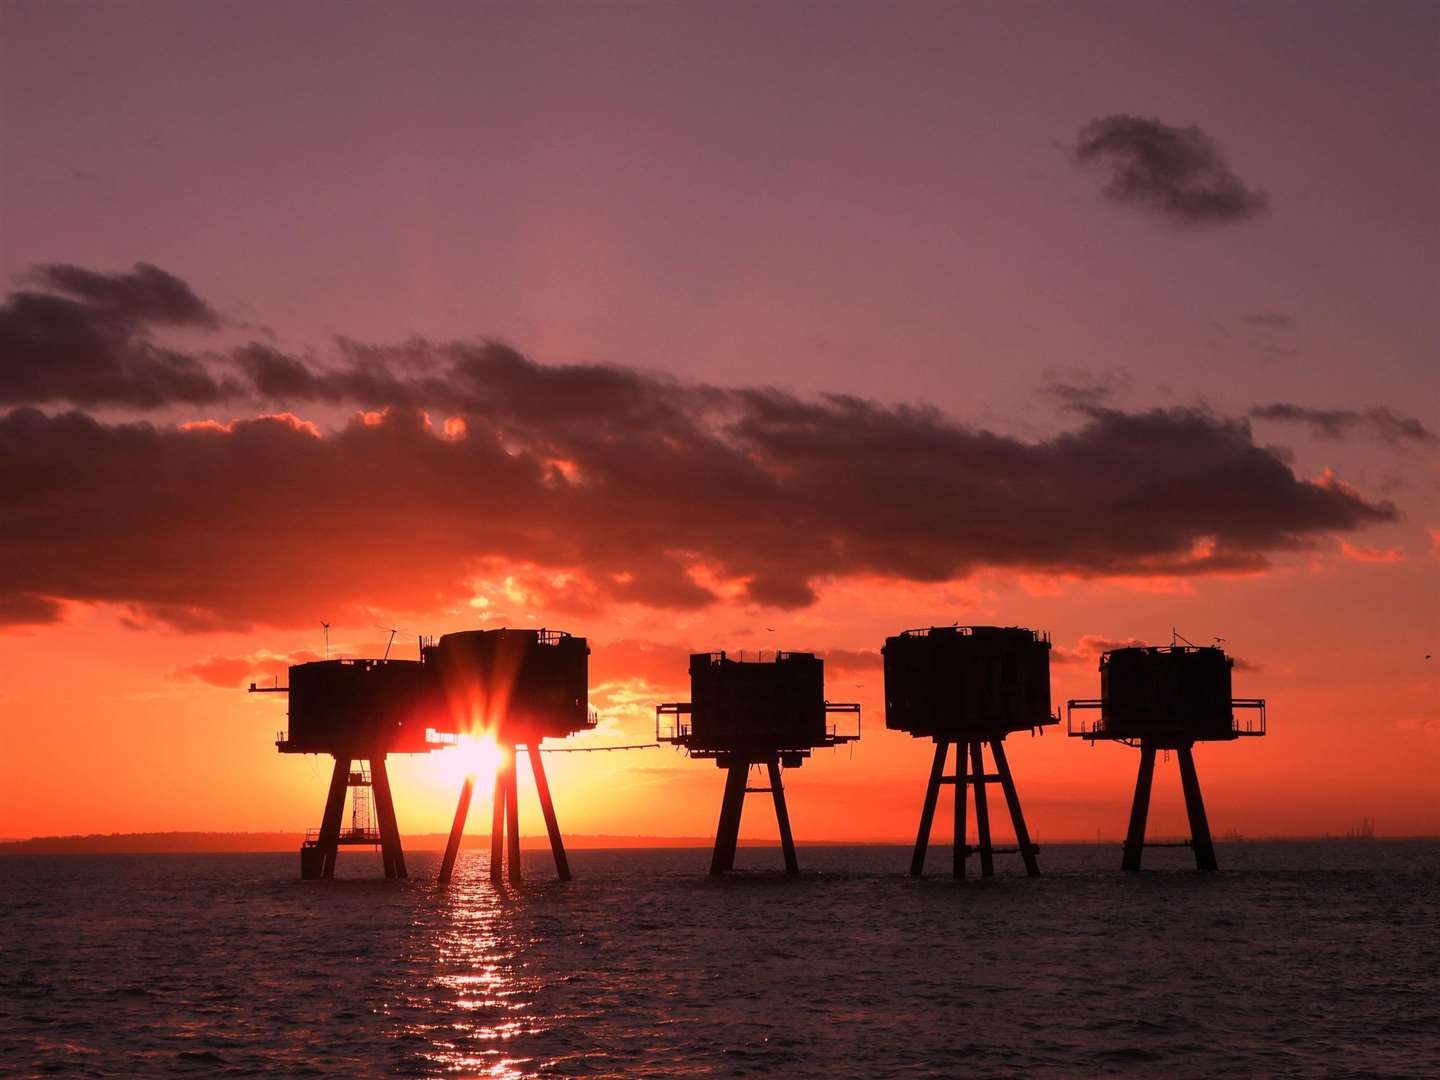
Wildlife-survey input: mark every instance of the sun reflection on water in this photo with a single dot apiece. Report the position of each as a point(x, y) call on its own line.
point(480, 998)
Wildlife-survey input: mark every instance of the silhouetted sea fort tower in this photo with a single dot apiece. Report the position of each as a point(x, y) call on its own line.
point(1167, 698)
point(520, 687)
point(356, 711)
point(969, 686)
point(749, 713)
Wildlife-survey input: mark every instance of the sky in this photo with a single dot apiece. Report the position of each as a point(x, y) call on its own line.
point(716, 326)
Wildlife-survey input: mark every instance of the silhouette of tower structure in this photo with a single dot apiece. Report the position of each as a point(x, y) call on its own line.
point(517, 686)
point(520, 687)
point(969, 687)
point(1166, 698)
point(744, 714)
point(360, 712)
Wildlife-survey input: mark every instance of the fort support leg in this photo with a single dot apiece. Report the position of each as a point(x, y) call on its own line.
point(334, 809)
point(497, 829)
point(1012, 799)
point(727, 834)
point(390, 846)
point(1200, 840)
point(927, 811)
point(787, 841)
point(547, 807)
point(982, 810)
point(1140, 809)
point(962, 789)
point(457, 830)
point(512, 816)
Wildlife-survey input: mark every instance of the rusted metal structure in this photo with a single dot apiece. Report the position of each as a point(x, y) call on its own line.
point(744, 714)
point(969, 687)
point(1167, 698)
point(520, 687)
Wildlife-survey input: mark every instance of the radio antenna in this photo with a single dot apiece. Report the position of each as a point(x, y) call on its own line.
point(393, 630)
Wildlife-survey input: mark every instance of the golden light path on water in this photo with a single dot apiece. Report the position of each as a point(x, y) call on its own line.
point(478, 968)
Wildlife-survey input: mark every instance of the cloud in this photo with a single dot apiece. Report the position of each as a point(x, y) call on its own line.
point(851, 660)
point(84, 337)
point(1379, 423)
point(1080, 389)
point(265, 520)
point(576, 486)
point(1364, 553)
point(1177, 173)
point(1090, 647)
point(229, 672)
point(145, 295)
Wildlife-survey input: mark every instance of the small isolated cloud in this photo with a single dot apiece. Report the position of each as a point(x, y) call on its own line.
point(229, 672)
point(1367, 554)
point(1081, 389)
point(850, 661)
point(1270, 320)
point(1090, 647)
point(1378, 423)
point(1178, 173)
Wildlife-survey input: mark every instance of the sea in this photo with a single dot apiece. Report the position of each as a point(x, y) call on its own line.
point(1305, 959)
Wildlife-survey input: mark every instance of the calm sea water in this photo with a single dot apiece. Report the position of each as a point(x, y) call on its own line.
point(1310, 959)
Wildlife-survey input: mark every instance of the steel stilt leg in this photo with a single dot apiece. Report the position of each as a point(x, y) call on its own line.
point(962, 787)
point(1200, 840)
point(782, 815)
point(927, 811)
point(727, 834)
point(390, 844)
point(547, 807)
point(329, 843)
point(1012, 799)
point(497, 829)
point(1140, 809)
point(982, 810)
point(457, 830)
point(512, 816)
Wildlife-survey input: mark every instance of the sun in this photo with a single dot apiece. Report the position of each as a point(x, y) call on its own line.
point(480, 757)
point(477, 756)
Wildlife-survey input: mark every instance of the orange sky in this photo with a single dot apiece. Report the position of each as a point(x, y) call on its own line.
point(685, 326)
point(109, 733)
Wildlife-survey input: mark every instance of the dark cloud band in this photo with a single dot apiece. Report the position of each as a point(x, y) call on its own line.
point(621, 485)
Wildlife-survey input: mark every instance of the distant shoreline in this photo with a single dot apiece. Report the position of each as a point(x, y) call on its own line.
point(208, 843)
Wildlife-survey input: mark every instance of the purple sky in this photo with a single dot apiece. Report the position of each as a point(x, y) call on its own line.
point(878, 200)
point(858, 198)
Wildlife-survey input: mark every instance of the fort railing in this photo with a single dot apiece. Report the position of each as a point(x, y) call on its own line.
point(1252, 724)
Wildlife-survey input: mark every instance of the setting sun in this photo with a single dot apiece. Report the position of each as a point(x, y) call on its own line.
point(477, 756)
